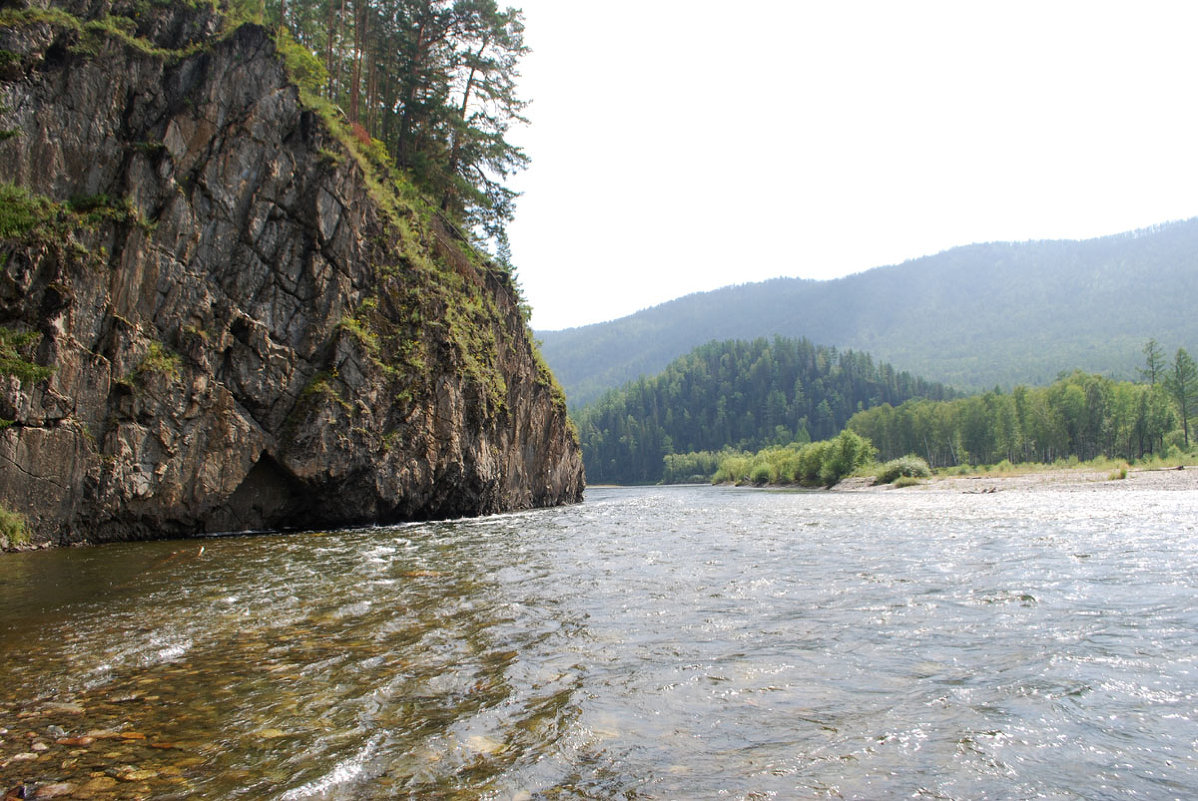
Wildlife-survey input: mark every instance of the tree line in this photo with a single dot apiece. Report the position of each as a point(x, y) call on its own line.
point(737, 394)
point(1080, 415)
point(432, 82)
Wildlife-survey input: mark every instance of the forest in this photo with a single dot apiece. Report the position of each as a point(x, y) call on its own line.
point(737, 394)
point(1081, 415)
point(749, 412)
point(426, 85)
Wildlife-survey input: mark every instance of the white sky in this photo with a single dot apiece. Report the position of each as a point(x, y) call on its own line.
point(684, 145)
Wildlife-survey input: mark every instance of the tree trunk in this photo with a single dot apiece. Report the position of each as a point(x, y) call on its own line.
point(330, 48)
point(456, 151)
point(406, 120)
point(372, 89)
point(335, 72)
point(355, 89)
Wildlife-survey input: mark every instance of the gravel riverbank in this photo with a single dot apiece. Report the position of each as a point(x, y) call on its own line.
point(1080, 479)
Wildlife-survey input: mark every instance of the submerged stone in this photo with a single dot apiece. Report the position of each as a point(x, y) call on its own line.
point(76, 741)
point(138, 775)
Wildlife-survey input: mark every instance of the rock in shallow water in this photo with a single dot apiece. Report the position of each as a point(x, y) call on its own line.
point(76, 741)
point(99, 784)
point(139, 775)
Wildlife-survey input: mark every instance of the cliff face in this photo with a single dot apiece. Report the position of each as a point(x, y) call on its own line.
point(245, 331)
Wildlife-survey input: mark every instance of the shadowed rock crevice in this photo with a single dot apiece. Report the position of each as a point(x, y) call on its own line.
point(270, 497)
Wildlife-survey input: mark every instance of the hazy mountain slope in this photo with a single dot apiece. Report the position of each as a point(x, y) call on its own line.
point(975, 316)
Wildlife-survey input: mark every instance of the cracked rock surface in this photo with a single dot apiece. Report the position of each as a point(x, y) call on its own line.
point(253, 344)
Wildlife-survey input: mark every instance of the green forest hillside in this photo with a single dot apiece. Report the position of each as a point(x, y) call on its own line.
point(704, 416)
point(735, 394)
point(972, 317)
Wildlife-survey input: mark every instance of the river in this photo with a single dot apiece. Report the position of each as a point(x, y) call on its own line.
point(656, 643)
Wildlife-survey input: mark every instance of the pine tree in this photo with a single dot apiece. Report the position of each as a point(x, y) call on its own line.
point(435, 82)
point(1154, 363)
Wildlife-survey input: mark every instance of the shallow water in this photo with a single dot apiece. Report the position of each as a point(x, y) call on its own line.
point(649, 643)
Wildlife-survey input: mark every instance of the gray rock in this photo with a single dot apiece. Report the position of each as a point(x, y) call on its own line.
point(258, 344)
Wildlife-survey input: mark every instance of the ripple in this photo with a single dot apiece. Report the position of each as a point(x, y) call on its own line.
point(654, 642)
point(345, 772)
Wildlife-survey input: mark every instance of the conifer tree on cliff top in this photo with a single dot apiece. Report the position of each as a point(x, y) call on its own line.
point(435, 82)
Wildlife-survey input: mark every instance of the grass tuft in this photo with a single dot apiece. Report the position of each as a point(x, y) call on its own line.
point(14, 530)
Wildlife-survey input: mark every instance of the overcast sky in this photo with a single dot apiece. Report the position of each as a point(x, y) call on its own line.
point(684, 145)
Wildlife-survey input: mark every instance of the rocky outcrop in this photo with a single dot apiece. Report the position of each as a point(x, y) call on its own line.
point(246, 331)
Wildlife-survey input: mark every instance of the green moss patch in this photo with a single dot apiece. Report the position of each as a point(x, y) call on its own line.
point(14, 531)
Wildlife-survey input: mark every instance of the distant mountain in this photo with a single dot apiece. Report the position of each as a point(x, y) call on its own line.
point(972, 317)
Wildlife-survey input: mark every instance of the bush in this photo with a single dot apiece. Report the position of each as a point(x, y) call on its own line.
point(21, 213)
point(303, 67)
point(16, 355)
point(691, 468)
point(159, 360)
point(811, 459)
point(848, 452)
point(733, 469)
point(904, 466)
point(760, 474)
point(814, 464)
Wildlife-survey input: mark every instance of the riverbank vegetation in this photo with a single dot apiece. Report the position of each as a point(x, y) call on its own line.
point(1080, 420)
point(781, 466)
point(813, 464)
point(14, 532)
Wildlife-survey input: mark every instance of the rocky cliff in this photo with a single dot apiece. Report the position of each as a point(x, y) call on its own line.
point(246, 327)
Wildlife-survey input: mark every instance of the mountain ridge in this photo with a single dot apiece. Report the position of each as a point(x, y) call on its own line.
point(972, 316)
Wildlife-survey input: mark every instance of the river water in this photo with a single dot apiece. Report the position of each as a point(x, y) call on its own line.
point(691, 643)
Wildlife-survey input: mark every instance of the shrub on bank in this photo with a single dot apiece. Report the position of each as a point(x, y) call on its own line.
point(904, 466)
point(813, 464)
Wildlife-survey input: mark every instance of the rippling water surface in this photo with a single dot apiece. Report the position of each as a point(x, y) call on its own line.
point(649, 643)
